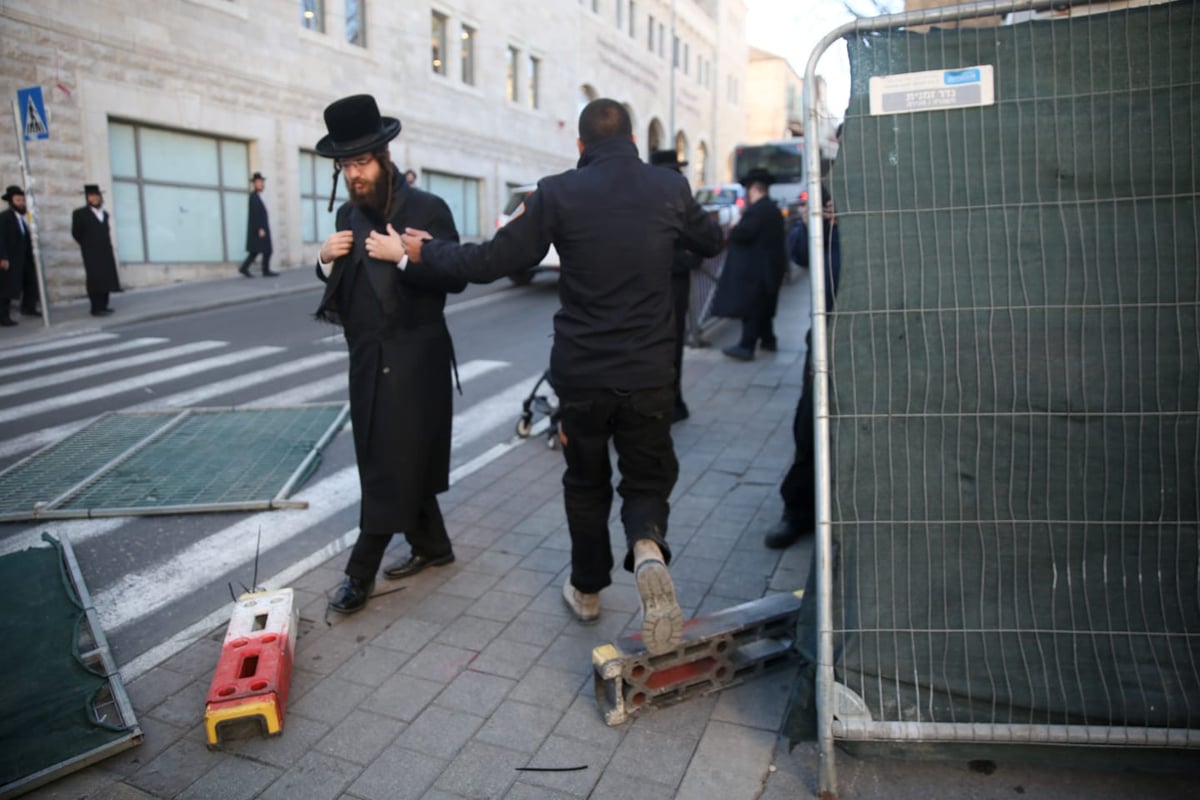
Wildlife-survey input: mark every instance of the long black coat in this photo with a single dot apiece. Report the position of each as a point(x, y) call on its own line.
point(95, 243)
point(16, 248)
point(400, 362)
point(257, 219)
point(754, 264)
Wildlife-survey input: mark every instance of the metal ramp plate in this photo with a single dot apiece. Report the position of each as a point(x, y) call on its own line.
point(172, 462)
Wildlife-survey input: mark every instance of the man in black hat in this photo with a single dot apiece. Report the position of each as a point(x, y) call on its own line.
point(90, 229)
point(754, 268)
point(682, 264)
point(400, 350)
point(614, 221)
point(18, 277)
point(258, 231)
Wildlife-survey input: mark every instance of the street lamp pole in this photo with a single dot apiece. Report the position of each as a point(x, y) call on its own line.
point(674, 64)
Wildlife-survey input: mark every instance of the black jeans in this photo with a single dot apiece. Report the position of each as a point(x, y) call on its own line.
point(428, 539)
point(639, 425)
point(799, 485)
point(250, 260)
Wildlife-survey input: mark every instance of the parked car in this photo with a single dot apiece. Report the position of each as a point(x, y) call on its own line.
point(550, 263)
point(723, 202)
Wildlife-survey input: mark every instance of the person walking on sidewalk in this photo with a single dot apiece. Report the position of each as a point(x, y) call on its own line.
point(90, 229)
point(258, 231)
point(754, 268)
point(18, 277)
point(615, 221)
point(400, 350)
point(682, 264)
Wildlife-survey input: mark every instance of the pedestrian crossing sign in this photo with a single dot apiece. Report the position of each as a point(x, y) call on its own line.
point(33, 113)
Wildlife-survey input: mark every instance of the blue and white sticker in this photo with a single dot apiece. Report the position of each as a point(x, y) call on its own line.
point(933, 90)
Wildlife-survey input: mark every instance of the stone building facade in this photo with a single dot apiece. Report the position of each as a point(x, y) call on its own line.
point(170, 106)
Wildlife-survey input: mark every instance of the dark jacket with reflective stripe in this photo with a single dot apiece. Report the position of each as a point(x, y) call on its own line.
point(615, 222)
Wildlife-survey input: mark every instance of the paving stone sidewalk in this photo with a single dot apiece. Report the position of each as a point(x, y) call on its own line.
point(447, 684)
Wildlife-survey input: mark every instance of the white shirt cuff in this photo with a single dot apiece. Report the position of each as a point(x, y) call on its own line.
point(403, 262)
point(325, 268)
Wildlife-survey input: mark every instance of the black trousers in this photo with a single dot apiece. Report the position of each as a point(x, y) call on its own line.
point(99, 300)
point(639, 425)
point(798, 489)
point(759, 326)
point(250, 260)
point(681, 289)
point(428, 538)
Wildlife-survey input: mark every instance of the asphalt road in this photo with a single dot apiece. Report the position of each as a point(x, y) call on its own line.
point(160, 581)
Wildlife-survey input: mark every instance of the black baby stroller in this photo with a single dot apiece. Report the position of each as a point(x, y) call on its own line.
point(545, 405)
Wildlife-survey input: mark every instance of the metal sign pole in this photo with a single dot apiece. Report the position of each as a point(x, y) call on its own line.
point(31, 207)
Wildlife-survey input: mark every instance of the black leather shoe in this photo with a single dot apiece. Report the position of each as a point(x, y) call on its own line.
point(784, 534)
point(245, 271)
point(414, 564)
point(269, 274)
point(769, 345)
point(7, 322)
point(352, 595)
point(739, 353)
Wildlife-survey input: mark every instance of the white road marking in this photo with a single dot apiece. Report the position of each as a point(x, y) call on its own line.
point(303, 394)
point(108, 367)
point(83, 355)
point(54, 344)
point(77, 530)
point(131, 384)
point(499, 409)
point(39, 439)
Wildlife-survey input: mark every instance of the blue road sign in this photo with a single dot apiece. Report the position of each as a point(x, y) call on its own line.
point(33, 113)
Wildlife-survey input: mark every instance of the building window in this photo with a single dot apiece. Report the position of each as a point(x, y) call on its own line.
point(316, 223)
point(461, 195)
point(438, 43)
point(178, 197)
point(532, 68)
point(596, 6)
point(661, 39)
point(620, 4)
point(356, 22)
point(674, 51)
point(650, 32)
point(632, 19)
point(312, 15)
point(468, 55)
point(687, 58)
point(510, 77)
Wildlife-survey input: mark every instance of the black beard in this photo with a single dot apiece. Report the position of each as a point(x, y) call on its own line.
point(376, 198)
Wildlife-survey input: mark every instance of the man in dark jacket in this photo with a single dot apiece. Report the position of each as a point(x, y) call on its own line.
point(18, 278)
point(754, 269)
point(89, 227)
point(682, 264)
point(400, 350)
point(258, 231)
point(614, 221)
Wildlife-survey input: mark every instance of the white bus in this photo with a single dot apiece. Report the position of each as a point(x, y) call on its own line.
point(784, 159)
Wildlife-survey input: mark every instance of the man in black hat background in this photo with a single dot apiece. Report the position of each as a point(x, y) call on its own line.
point(258, 231)
point(18, 276)
point(614, 221)
point(400, 350)
point(754, 268)
point(682, 264)
point(90, 229)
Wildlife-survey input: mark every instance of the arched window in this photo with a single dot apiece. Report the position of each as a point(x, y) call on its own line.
point(587, 94)
point(700, 165)
point(654, 136)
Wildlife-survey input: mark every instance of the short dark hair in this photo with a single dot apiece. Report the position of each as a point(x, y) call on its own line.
point(602, 119)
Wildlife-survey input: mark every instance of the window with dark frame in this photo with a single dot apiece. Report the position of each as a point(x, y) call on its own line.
point(533, 68)
point(312, 15)
point(356, 22)
point(510, 90)
point(467, 35)
point(438, 43)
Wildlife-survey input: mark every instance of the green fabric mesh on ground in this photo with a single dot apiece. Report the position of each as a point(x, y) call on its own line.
point(47, 691)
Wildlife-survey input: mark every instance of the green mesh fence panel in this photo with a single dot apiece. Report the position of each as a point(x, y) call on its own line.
point(206, 459)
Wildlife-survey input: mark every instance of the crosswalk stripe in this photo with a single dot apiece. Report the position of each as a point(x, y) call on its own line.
point(83, 355)
point(504, 407)
point(66, 376)
point(191, 397)
point(131, 384)
point(54, 344)
point(77, 530)
point(337, 383)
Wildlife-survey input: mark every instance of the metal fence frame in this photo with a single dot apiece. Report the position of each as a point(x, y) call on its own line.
point(836, 717)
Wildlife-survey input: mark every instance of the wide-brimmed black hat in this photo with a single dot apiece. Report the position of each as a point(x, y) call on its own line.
point(11, 192)
point(667, 158)
point(258, 176)
point(756, 175)
point(91, 188)
point(355, 127)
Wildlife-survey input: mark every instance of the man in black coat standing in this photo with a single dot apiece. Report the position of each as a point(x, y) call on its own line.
point(614, 221)
point(400, 349)
point(258, 231)
point(90, 228)
point(754, 268)
point(18, 277)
